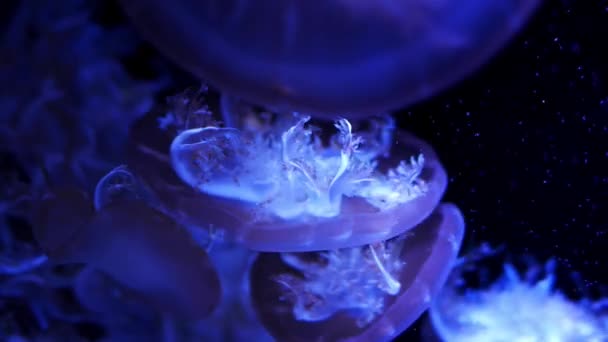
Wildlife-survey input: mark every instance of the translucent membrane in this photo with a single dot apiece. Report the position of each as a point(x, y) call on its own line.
point(337, 56)
point(427, 255)
point(137, 246)
point(357, 221)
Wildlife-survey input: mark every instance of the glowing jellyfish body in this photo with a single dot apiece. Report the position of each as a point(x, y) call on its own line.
point(299, 196)
point(340, 56)
point(370, 293)
point(516, 308)
point(282, 190)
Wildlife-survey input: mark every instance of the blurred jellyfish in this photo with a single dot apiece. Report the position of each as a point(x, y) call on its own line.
point(139, 247)
point(516, 308)
point(120, 184)
point(340, 56)
point(234, 319)
point(66, 101)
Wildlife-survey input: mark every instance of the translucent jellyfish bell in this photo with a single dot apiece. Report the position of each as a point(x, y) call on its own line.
point(324, 57)
point(138, 246)
point(293, 193)
point(366, 293)
point(119, 184)
point(303, 195)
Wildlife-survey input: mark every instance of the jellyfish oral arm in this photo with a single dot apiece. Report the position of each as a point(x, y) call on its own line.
point(290, 171)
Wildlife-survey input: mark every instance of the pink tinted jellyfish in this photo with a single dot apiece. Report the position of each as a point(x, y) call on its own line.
point(278, 187)
point(358, 57)
point(369, 293)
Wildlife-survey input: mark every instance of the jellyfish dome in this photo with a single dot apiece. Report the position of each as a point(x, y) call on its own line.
point(342, 56)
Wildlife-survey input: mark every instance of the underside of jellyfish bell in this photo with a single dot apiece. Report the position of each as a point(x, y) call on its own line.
point(181, 182)
point(297, 300)
point(358, 222)
point(351, 57)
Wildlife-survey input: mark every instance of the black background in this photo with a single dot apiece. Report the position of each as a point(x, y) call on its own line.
point(525, 140)
point(525, 143)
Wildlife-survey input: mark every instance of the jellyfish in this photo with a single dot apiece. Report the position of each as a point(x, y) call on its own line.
point(331, 57)
point(369, 293)
point(518, 306)
point(131, 242)
point(71, 117)
point(280, 188)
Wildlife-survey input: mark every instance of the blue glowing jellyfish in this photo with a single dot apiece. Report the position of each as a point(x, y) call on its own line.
point(369, 293)
point(278, 187)
point(516, 307)
point(340, 56)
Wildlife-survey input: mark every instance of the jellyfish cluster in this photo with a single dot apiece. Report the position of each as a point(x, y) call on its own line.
point(290, 207)
point(349, 238)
